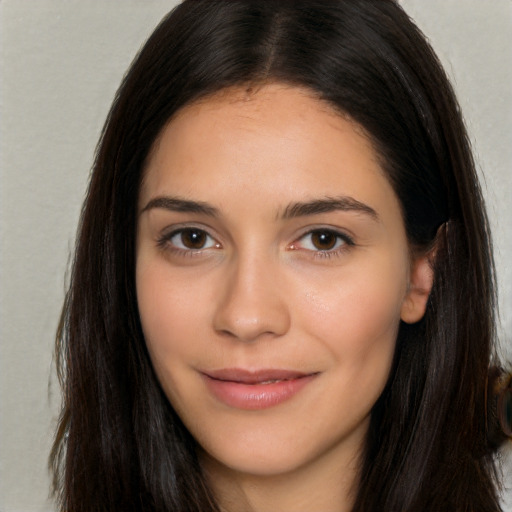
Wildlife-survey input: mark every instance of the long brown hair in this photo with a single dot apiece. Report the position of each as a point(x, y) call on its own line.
point(120, 445)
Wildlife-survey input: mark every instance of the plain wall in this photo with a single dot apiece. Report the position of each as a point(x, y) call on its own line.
point(61, 62)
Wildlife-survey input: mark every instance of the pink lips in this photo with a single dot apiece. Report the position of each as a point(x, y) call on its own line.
point(260, 389)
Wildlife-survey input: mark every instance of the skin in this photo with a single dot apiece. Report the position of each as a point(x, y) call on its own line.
point(262, 289)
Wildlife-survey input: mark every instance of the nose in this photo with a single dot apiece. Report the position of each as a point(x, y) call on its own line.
point(252, 303)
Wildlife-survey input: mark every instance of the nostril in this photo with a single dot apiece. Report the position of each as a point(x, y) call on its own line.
point(249, 330)
point(250, 305)
point(251, 321)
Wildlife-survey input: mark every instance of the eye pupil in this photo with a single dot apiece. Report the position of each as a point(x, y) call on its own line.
point(323, 240)
point(193, 238)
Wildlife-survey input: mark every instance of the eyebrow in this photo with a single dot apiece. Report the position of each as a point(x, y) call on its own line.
point(176, 204)
point(329, 204)
point(293, 210)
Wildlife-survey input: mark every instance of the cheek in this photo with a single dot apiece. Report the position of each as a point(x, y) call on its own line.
point(358, 329)
point(170, 315)
point(357, 320)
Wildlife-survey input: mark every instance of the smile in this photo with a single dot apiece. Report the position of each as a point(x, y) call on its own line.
point(243, 389)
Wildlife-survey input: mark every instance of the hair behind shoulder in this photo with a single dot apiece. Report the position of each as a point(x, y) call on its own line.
point(119, 445)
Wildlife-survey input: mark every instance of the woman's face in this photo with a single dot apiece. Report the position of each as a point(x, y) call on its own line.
point(272, 272)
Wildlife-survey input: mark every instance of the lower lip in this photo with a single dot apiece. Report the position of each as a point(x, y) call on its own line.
point(255, 396)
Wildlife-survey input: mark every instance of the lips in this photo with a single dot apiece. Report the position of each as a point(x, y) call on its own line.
point(254, 377)
point(252, 390)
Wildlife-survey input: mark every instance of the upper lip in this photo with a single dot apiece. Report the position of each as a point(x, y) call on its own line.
point(254, 376)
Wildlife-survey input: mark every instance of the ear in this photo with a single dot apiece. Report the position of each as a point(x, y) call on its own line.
point(420, 285)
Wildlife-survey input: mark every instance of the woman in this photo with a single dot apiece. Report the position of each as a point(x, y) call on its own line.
point(282, 296)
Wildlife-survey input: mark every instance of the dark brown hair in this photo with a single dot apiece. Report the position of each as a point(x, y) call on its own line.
point(120, 445)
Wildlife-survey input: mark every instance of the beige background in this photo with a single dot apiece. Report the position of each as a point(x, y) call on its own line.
point(61, 62)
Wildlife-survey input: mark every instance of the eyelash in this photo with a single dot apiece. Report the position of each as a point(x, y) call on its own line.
point(166, 241)
point(342, 242)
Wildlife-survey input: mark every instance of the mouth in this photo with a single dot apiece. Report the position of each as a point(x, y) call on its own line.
point(264, 376)
point(252, 390)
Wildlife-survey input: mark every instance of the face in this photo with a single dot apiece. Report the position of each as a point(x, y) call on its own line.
point(272, 272)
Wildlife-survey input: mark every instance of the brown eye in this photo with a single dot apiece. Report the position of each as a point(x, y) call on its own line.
point(191, 239)
point(324, 240)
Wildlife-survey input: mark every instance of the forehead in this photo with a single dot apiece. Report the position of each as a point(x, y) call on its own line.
point(264, 109)
point(276, 141)
point(272, 104)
